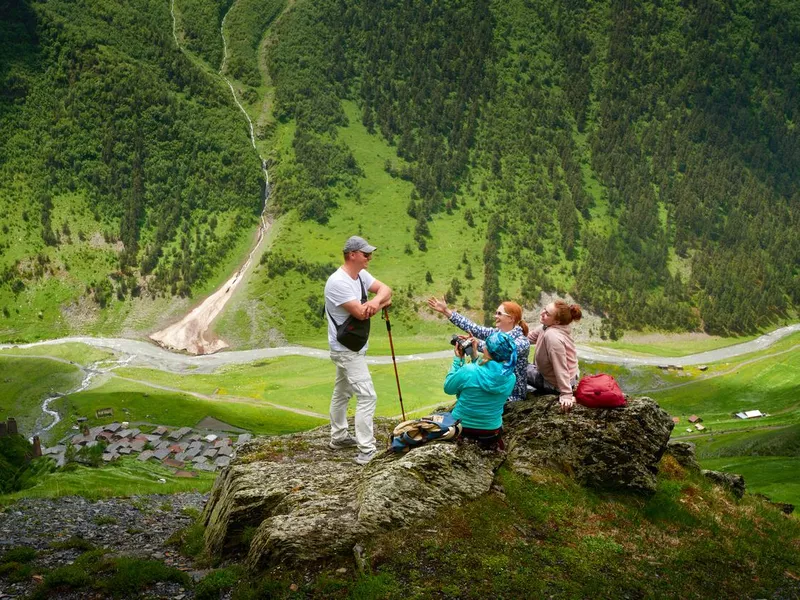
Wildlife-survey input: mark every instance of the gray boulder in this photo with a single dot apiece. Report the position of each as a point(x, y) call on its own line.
point(293, 499)
point(730, 481)
point(609, 449)
point(684, 454)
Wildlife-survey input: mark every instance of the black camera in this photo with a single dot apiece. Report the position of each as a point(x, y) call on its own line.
point(464, 344)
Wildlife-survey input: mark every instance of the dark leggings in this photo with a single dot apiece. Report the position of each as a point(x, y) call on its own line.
point(488, 439)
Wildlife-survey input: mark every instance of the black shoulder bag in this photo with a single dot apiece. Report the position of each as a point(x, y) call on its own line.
point(353, 333)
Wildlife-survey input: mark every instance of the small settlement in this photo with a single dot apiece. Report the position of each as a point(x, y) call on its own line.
point(182, 448)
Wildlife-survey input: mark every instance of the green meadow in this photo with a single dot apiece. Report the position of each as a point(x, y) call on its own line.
point(142, 404)
point(81, 354)
point(767, 381)
point(125, 477)
point(288, 394)
point(774, 476)
point(766, 451)
point(670, 345)
point(769, 459)
point(305, 384)
point(25, 382)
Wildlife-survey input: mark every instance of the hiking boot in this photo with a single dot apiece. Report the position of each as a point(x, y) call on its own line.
point(363, 458)
point(348, 442)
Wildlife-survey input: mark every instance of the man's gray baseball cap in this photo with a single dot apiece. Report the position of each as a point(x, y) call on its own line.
point(356, 244)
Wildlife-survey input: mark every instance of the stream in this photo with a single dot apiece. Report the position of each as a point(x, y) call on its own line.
point(89, 374)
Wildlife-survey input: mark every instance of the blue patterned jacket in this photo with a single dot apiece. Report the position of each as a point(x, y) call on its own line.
point(520, 339)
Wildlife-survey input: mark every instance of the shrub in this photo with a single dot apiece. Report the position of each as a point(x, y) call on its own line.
point(21, 554)
point(213, 584)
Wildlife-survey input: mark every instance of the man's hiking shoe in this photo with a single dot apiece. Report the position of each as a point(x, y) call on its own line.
point(363, 458)
point(348, 442)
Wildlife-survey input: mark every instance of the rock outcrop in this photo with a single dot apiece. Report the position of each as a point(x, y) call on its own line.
point(291, 498)
point(730, 481)
point(610, 449)
point(684, 454)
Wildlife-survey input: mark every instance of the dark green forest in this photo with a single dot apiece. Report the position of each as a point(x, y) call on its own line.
point(641, 156)
point(651, 147)
point(100, 109)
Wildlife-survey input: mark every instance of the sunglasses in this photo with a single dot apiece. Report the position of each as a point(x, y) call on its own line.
point(366, 254)
point(499, 313)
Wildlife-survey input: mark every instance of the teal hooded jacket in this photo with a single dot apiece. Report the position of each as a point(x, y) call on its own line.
point(480, 391)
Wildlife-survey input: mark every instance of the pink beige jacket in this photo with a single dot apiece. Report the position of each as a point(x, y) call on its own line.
point(555, 357)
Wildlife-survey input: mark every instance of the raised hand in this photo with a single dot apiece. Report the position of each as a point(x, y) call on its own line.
point(439, 306)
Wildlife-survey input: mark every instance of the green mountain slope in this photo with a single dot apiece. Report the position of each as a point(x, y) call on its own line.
point(640, 156)
point(125, 169)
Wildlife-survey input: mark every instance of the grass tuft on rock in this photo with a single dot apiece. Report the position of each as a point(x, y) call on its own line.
point(20, 554)
point(190, 540)
point(121, 577)
point(73, 543)
point(216, 582)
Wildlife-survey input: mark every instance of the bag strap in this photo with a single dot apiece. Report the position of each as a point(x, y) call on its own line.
point(363, 290)
point(335, 324)
point(363, 300)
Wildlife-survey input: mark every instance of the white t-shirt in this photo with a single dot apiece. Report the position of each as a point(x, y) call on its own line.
point(341, 288)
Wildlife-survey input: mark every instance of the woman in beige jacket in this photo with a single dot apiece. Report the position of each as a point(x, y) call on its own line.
point(555, 366)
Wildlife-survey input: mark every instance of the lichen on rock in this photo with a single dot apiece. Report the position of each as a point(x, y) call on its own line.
point(610, 449)
point(312, 502)
point(685, 453)
point(292, 499)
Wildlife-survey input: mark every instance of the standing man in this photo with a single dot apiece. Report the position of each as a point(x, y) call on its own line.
point(346, 296)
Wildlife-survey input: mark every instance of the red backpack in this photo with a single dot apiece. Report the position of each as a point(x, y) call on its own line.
point(599, 391)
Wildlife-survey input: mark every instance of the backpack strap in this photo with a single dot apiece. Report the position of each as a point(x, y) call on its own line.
point(335, 324)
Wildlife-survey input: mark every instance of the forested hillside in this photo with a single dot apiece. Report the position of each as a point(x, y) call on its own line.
point(642, 156)
point(125, 167)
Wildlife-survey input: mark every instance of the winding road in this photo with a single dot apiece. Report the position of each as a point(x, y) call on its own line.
point(144, 354)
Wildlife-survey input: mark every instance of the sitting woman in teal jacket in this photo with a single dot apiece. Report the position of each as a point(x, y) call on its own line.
point(481, 388)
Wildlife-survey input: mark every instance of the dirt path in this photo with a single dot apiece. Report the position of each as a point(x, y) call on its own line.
point(192, 333)
point(710, 356)
point(706, 434)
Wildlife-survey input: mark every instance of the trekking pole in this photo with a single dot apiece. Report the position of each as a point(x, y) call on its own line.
point(394, 360)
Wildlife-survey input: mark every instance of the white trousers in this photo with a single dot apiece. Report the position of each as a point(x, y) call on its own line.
point(353, 378)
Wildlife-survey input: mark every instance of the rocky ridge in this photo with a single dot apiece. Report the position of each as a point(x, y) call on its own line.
point(292, 499)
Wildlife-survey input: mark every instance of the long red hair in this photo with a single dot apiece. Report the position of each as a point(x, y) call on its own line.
point(514, 310)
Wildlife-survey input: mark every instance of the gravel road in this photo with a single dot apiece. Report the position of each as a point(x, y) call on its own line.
point(145, 354)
